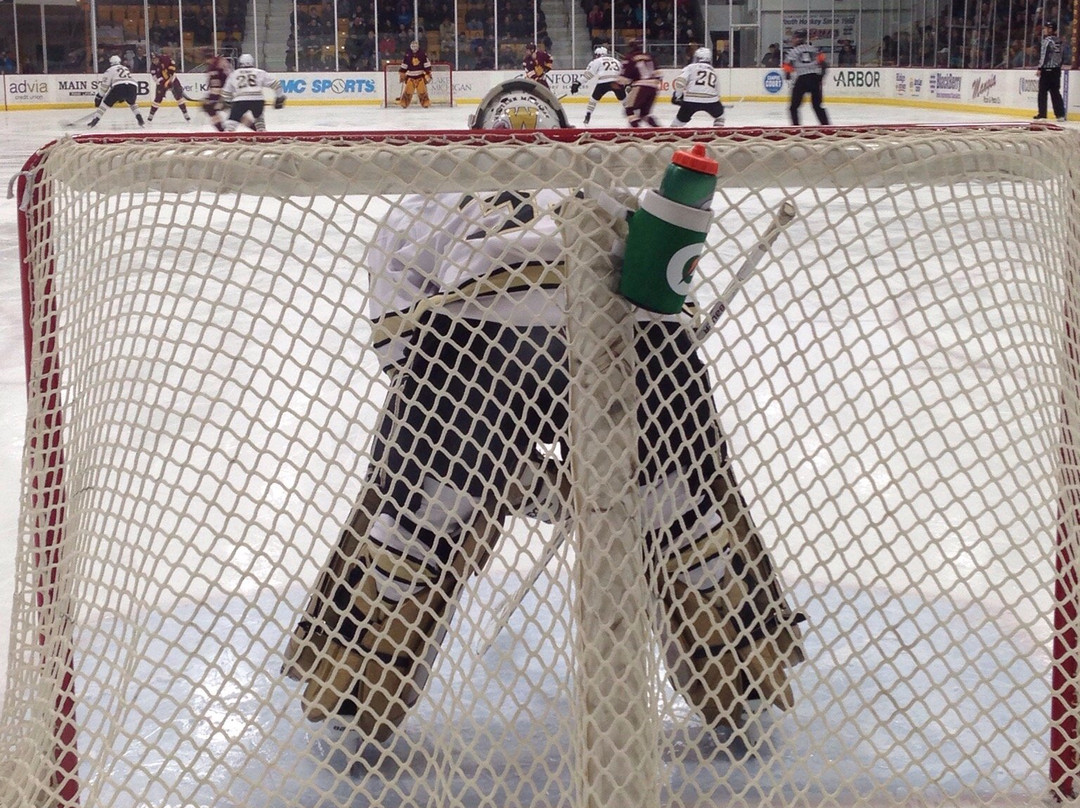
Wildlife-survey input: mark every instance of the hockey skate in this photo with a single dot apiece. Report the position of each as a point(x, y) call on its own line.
point(93, 123)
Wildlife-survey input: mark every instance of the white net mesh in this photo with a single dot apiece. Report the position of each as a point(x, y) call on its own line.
point(350, 482)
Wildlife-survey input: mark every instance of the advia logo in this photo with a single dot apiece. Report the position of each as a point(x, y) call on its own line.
point(774, 81)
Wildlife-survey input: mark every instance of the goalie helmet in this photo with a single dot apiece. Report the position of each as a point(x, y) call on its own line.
point(600, 51)
point(519, 104)
point(703, 55)
point(114, 59)
point(247, 60)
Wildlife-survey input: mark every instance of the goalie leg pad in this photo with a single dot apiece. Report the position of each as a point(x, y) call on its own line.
point(365, 647)
point(735, 641)
point(407, 90)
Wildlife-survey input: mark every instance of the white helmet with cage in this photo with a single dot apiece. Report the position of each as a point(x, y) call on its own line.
point(519, 104)
point(703, 55)
point(599, 51)
point(114, 60)
point(247, 60)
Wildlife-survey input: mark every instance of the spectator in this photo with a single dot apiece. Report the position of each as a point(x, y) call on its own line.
point(482, 60)
point(7, 64)
point(846, 56)
point(772, 56)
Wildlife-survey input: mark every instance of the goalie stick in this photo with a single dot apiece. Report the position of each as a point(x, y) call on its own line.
point(781, 220)
point(784, 216)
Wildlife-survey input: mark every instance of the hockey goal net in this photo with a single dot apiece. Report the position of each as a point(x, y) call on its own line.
point(213, 441)
point(440, 89)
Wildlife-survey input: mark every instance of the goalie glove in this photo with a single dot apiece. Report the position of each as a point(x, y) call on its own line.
point(279, 102)
point(97, 100)
point(575, 86)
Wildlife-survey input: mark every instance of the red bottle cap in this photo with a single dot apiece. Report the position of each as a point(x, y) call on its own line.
point(696, 160)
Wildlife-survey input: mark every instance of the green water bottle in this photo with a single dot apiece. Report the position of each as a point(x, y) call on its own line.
point(667, 233)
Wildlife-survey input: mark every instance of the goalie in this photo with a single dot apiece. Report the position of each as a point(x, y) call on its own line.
point(415, 75)
point(471, 331)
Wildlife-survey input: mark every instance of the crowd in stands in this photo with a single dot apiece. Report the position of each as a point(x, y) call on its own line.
point(965, 34)
point(659, 20)
point(389, 36)
point(991, 34)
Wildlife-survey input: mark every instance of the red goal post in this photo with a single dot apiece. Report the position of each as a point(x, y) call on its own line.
point(440, 88)
point(898, 380)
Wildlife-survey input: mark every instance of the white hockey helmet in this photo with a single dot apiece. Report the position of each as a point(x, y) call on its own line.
point(703, 55)
point(114, 59)
point(519, 104)
point(600, 50)
point(247, 60)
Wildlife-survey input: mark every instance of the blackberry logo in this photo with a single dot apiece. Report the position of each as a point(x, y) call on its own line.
point(774, 82)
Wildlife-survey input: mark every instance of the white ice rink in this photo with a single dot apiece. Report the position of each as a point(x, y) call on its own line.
point(23, 132)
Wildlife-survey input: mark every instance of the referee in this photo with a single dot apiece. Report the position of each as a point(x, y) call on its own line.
point(1049, 69)
point(806, 66)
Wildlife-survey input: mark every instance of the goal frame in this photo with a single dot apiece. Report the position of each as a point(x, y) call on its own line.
point(1064, 741)
point(442, 77)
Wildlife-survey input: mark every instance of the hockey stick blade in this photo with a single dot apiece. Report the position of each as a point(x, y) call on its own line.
point(784, 216)
point(79, 121)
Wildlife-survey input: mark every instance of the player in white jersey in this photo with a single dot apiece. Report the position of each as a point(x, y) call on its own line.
point(469, 311)
point(604, 70)
point(245, 92)
point(116, 86)
point(697, 89)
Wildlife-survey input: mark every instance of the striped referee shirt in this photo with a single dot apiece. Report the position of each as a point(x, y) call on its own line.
point(1050, 55)
point(802, 59)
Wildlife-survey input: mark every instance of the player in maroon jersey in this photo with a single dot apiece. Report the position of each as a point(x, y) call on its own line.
point(163, 71)
point(642, 81)
point(536, 64)
point(218, 69)
point(415, 75)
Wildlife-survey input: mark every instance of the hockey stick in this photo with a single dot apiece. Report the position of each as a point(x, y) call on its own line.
point(781, 220)
point(79, 121)
point(784, 216)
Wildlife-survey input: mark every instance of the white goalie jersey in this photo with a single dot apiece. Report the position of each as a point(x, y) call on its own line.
point(497, 256)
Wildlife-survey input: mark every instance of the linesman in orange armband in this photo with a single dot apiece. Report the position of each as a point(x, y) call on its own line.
point(805, 67)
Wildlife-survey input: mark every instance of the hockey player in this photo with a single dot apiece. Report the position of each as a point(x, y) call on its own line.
point(163, 71)
point(642, 80)
point(604, 70)
point(471, 331)
point(697, 89)
point(245, 93)
point(415, 75)
point(805, 68)
point(536, 64)
point(218, 69)
point(114, 87)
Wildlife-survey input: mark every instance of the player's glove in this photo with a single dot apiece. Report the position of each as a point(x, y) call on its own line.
point(427, 78)
point(279, 102)
point(575, 86)
point(676, 99)
point(97, 100)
